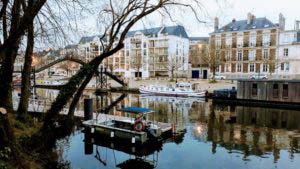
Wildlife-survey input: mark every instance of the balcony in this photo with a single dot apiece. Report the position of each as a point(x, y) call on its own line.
point(266, 44)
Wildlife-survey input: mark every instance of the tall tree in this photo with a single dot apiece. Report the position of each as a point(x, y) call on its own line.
point(117, 18)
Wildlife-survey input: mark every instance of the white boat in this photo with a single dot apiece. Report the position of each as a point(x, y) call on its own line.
point(180, 90)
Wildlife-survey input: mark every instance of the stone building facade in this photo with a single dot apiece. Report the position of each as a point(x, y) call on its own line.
point(245, 48)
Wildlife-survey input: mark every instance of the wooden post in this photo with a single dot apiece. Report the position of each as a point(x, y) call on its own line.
point(88, 109)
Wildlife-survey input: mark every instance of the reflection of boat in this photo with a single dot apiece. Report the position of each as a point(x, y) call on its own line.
point(171, 99)
point(137, 129)
point(180, 90)
point(50, 82)
point(140, 155)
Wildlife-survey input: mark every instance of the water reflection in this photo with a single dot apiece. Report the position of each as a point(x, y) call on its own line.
point(240, 137)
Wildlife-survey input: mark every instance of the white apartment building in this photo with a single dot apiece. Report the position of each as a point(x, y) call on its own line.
point(146, 53)
point(288, 58)
point(156, 51)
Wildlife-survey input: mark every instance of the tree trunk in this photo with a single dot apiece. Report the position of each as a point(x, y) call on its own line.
point(77, 96)
point(25, 90)
point(6, 74)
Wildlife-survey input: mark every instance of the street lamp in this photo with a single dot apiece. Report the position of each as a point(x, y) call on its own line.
point(33, 64)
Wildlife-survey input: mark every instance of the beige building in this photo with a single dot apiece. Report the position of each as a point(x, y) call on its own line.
point(198, 57)
point(245, 48)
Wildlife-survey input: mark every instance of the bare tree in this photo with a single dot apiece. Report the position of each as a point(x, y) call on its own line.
point(117, 17)
point(173, 64)
point(136, 63)
point(212, 57)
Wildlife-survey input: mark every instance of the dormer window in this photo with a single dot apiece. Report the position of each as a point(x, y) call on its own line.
point(235, 29)
point(253, 27)
point(267, 25)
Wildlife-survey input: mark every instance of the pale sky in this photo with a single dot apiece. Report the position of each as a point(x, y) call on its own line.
point(226, 10)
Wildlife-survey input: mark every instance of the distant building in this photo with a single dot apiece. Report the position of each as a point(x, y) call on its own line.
point(245, 47)
point(198, 57)
point(146, 53)
point(153, 52)
point(288, 58)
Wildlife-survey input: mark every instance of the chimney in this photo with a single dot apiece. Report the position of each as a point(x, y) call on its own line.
point(233, 20)
point(216, 25)
point(281, 22)
point(297, 25)
point(249, 16)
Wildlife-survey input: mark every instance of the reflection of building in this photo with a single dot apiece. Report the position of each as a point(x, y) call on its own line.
point(258, 131)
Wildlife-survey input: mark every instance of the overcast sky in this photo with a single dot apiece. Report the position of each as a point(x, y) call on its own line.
point(260, 8)
point(226, 10)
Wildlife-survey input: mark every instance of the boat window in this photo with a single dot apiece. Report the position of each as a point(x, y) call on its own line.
point(275, 91)
point(254, 89)
point(285, 91)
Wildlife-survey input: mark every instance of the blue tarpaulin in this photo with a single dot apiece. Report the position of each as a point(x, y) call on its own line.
point(136, 110)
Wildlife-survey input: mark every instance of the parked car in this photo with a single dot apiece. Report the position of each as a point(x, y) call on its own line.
point(259, 77)
point(220, 77)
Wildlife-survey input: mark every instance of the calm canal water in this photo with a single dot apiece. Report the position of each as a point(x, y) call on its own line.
point(260, 138)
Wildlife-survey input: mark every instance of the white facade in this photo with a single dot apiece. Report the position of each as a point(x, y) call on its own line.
point(288, 58)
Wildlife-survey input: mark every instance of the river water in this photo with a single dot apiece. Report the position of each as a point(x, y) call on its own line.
point(216, 136)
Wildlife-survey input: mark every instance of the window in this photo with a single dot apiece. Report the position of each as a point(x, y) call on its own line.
point(145, 52)
point(217, 69)
point(252, 40)
point(240, 41)
point(251, 67)
point(275, 91)
point(265, 68)
point(145, 45)
point(287, 66)
point(218, 41)
point(285, 91)
point(252, 55)
point(228, 40)
point(266, 39)
point(228, 55)
point(240, 56)
point(286, 52)
point(282, 66)
point(239, 67)
point(266, 54)
point(227, 67)
point(254, 89)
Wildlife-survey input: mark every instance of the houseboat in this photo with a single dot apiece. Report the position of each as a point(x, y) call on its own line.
point(135, 128)
point(180, 90)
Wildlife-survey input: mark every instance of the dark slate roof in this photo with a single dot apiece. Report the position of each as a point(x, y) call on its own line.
point(298, 36)
point(87, 39)
point(170, 30)
point(198, 38)
point(71, 47)
point(258, 23)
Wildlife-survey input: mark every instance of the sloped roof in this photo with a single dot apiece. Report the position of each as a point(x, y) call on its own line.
point(298, 36)
point(71, 47)
point(170, 30)
point(198, 38)
point(87, 39)
point(241, 25)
